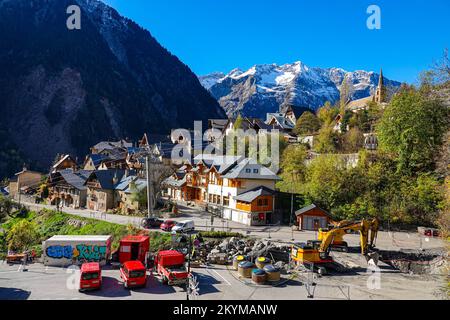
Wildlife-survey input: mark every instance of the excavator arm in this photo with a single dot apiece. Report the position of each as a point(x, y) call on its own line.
point(367, 229)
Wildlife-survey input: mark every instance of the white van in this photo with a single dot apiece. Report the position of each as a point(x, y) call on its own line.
point(184, 226)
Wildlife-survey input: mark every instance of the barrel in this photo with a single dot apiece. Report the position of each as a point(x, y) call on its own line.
point(261, 262)
point(273, 273)
point(237, 260)
point(259, 276)
point(245, 269)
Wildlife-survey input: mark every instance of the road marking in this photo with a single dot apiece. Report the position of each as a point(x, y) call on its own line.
point(228, 283)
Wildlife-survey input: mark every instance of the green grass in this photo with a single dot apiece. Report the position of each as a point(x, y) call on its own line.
point(50, 223)
point(220, 234)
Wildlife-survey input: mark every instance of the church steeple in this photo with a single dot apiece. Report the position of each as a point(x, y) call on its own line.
point(380, 94)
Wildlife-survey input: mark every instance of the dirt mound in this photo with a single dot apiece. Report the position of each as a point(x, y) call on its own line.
point(416, 261)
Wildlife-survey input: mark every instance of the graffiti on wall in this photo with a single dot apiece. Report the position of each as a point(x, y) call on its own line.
point(59, 252)
point(81, 252)
point(91, 253)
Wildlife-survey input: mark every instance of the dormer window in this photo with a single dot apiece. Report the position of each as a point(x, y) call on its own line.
point(255, 170)
point(248, 171)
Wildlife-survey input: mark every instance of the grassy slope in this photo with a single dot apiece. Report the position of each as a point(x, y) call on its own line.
point(50, 223)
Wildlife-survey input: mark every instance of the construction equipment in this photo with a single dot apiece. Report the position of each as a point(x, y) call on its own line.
point(338, 240)
point(317, 252)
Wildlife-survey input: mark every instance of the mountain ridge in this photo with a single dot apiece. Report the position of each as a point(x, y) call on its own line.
point(267, 88)
point(64, 91)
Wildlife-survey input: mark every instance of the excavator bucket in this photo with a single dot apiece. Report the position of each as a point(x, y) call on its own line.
point(373, 258)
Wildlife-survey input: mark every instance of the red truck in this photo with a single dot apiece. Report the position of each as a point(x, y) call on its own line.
point(170, 266)
point(91, 276)
point(133, 274)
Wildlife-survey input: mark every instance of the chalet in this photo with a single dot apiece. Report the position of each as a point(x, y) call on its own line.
point(125, 193)
point(233, 187)
point(247, 123)
point(279, 120)
point(144, 143)
point(312, 218)
point(24, 181)
point(135, 160)
point(101, 186)
point(164, 152)
point(257, 204)
point(67, 188)
point(111, 148)
point(197, 183)
point(176, 186)
point(64, 162)
point(247, 175)
point(307, 140)
point(94, 161)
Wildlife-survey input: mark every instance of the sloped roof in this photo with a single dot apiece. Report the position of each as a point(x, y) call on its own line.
point(219, 124)
point(221, 163)
point(281, 120)
point(252, 194)
point(250, 169)
point(74, 178)
point(358, 104)
point(109, 145)
point(139, 184)
point(171, 181)
point(125, 182)
point(66, 157)
point(97, 159)
point(308, 208)
point(105, 177)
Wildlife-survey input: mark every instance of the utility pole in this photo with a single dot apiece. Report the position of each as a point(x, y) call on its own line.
point(188, 282)
point(149, 187)
point(292, 215)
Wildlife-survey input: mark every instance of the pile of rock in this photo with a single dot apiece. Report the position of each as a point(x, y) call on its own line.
point(225, 251)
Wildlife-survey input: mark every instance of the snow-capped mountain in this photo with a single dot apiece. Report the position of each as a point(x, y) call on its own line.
point(268, 87)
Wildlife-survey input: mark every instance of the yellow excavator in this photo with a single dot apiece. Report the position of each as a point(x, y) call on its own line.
point(317, 252)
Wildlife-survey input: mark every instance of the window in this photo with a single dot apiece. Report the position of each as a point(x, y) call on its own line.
point(226, 201)
point(260, 202)
point(89, 276)
point(137, 273)
point(248, 170)
point(255, 170)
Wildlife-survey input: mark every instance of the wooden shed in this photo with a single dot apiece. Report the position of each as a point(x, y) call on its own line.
point(312, 218)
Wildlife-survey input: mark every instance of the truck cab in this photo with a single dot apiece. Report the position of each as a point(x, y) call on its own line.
point(91, 276)
point(170, 266)
point(133, 274)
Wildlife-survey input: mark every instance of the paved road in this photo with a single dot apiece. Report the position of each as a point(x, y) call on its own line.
point(385, 240)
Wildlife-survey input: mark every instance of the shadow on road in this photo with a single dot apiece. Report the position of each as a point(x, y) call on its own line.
point(14, 294)
point(111, 288)
point(206, 284)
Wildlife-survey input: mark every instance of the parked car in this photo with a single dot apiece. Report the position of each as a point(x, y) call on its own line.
point(151, 223)
point(91, 276)
point(167, 225)
point(133, 274)
point(184, 226)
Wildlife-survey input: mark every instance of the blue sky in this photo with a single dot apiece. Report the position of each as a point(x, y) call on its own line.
point(219, 35)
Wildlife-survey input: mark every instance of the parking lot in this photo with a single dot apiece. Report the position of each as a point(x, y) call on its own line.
point(215, 283)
